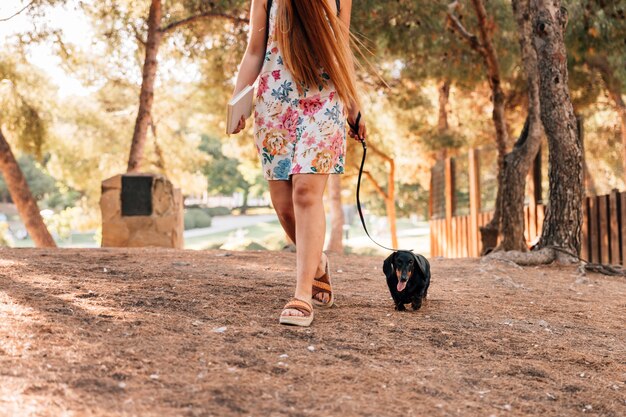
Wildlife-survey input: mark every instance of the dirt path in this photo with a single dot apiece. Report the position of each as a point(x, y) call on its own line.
point(183, 333)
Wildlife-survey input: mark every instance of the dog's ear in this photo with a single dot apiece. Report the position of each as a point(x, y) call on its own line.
point(422, 264)
point(389, 265)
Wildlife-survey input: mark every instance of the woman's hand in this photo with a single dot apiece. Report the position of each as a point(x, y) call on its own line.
point(240, 126)
point(361, 131)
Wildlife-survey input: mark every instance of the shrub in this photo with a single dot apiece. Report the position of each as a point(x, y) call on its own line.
point(196, 218)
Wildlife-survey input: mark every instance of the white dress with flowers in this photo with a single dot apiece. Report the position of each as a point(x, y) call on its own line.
point(297, 130)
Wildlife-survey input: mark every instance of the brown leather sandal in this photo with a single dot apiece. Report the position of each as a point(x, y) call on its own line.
point(303, 307)
point(322, 285)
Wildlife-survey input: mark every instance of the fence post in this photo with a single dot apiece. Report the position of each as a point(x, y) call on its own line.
point(433, 249)
point(474, 190)
point(585, 248)
point(623, 226)
point(449, 192)
point(614, 227)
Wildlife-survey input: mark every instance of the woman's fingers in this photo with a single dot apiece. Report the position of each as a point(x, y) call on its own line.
point(240, 126)
point(362, 131)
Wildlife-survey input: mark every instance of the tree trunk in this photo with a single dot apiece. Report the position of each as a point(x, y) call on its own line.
point(499, 122)
point(389, 196)
point(485, 47)
point(614, 88)
point(444, 98)
point(442, 120)
point(390, 204)
point(22, 197)
point(337, 220)
point(518, 162)
point(146, 96)
point(562, 224)
point(244, 204)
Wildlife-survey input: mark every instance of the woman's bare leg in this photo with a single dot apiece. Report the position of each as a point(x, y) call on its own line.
point(308, 191)
point(281, 193)
point(282, 200)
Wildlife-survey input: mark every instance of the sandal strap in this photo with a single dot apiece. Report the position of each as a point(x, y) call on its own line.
point(324, 278)
point(321, 286)
point(300, 305)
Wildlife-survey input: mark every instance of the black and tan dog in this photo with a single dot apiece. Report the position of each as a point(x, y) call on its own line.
point(408, 278)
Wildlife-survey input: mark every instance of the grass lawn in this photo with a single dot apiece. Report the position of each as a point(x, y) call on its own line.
point(270, 236)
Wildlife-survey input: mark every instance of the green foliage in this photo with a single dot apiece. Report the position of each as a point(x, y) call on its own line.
point(196, 218)
point(222, 172)
point(24, 92)
point(79, 141)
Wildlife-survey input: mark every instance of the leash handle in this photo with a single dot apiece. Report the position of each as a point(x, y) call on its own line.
point(355, 129)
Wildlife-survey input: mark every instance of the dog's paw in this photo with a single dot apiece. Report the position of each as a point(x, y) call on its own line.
point(400, 307)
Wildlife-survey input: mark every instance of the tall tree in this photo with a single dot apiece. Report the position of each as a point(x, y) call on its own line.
point(156, 31)
point(21, 117)
point(517, 163)
point(483, 44)
point(22, 197)
point(562, 224)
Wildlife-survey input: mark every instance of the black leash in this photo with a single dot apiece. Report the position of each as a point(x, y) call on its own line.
point(355, 129)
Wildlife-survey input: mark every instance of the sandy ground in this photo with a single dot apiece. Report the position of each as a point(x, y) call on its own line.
point(185, 333)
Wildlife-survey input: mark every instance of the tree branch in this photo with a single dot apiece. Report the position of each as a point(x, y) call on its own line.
point(23, 8)
point(376, 185)
point(201, 16)
point(138, 36)
point(471, 39)
point(380, 153)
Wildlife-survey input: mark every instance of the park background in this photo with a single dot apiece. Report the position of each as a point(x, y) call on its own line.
point(72, 75)
point(456, 96)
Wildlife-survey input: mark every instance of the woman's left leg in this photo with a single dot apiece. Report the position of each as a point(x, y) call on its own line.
point(308, 191)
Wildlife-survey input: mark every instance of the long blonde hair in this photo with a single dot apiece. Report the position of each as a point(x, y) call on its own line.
point(311, 36)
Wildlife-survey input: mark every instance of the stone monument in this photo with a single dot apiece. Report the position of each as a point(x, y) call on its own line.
point(141, 210)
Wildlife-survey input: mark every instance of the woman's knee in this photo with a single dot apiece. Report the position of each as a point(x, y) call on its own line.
point(306, 195)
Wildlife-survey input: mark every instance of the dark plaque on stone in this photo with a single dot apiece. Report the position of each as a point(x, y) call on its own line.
point(136, 195)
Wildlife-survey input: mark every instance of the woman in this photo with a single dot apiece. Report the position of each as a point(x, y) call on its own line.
point(306, 88)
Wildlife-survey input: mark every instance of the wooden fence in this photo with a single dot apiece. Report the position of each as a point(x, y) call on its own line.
point(604, 229)
point(455, 234)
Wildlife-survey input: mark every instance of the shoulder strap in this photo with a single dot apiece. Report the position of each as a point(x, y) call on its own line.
point(267, 21)
point(338, 6)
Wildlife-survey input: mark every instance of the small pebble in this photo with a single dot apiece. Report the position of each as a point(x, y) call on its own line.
point(122, 385)
point(154, 376)
point(219, 329)
point(311, 348)
point(284, 355)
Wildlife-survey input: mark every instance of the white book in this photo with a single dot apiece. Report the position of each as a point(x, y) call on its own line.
point(240, 105)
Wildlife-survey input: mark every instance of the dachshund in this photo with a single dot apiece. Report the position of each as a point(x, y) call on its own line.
point(408, 278)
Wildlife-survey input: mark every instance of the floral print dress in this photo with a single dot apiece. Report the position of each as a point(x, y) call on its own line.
point(297, 130)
